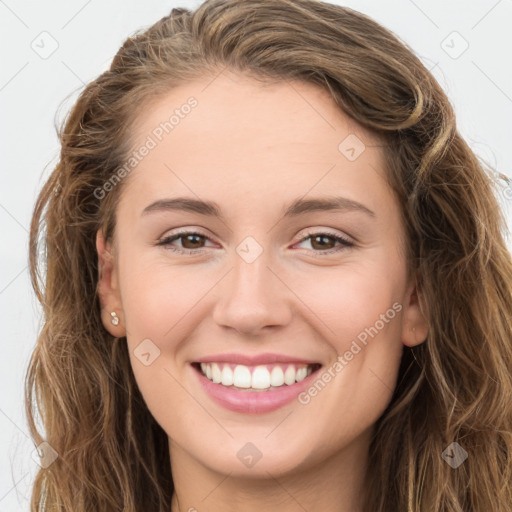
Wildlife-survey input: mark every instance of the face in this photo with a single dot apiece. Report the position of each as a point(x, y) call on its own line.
point(284, 251)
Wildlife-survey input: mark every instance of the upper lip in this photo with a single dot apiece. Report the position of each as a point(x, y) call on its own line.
point(254, 360)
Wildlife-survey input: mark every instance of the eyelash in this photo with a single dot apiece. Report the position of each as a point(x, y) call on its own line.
point(167, 240)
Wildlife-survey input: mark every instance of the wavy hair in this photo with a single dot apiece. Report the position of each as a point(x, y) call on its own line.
point(454, 387)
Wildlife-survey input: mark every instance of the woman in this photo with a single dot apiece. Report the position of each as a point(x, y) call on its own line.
point(274, 277)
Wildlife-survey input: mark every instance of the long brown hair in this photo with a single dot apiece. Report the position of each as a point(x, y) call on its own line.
point(455, 387)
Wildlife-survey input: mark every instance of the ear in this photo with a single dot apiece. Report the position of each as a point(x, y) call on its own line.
point(108, 288)
point(415, 326)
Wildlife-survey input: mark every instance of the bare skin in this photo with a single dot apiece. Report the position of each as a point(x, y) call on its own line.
point(253, 150)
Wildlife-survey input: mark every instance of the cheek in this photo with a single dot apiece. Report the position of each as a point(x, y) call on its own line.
point(159, 298)
point(352, 298)
point(363, 320)
point(358, 312)
point(162, 306)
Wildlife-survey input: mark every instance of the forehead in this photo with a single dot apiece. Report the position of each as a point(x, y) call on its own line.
point(242, 108)
point(233, 134)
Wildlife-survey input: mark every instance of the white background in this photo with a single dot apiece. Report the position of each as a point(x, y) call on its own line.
point(88, 34)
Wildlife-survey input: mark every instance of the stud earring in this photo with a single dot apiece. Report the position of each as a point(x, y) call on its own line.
point(115, 318)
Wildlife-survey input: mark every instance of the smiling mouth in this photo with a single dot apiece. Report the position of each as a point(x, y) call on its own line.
point(265, 377)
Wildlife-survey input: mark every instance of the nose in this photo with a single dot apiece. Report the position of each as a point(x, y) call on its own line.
point(253, 297)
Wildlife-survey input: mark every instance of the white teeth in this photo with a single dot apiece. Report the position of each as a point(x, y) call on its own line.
point(242, 377)
point(260, 379)
point(227, 376)
point(301, 374)
point(216, 375)
point(277, 376)
point(289, 376)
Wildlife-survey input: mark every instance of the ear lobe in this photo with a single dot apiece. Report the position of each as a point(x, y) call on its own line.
point(108, 289)
point(415, 327)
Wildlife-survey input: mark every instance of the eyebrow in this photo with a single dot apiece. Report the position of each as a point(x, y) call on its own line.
point(298, 207)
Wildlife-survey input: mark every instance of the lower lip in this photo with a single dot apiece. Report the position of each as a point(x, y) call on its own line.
point(253, 402)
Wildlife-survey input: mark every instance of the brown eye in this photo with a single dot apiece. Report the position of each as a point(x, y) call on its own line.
point(322, 242)
point(325, 243)
point(191, 242)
